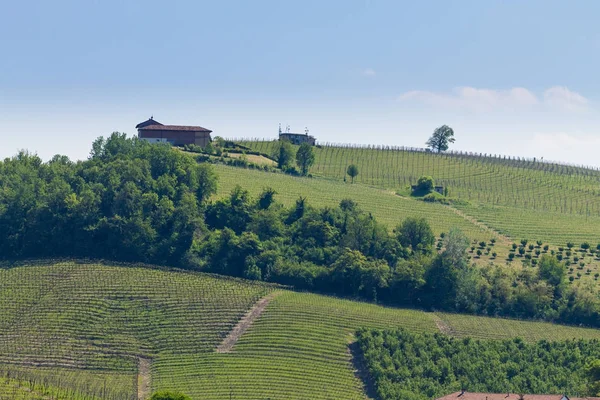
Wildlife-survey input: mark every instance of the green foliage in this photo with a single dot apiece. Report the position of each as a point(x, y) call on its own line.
point(130, 201)
point(305, 158)
point(592, 372)
point(425, 366)
point(283, 153)
point(416, 234)
point(168, 395)
point(352, 171)
point(440, 139)
point(424, 185)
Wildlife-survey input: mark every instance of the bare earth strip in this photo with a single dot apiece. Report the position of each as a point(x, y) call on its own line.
point(244, 323)
point(501, 238)
point(443, 326)
point(144, 386)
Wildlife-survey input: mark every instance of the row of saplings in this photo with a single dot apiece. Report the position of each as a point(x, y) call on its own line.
point(530, 252)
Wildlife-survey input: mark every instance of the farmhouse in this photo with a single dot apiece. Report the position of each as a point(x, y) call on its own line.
point(297, 138)
point(155, 132)
point(510, 396)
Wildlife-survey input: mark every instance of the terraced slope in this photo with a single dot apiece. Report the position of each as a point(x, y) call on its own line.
point(88, 324)
point(386, 206)
point(489, 180)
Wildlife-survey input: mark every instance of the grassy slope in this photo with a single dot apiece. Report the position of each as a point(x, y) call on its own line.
point(386, 206)
point(391, 209)
point(297, 349)
point(547, 187)
point(523, 192)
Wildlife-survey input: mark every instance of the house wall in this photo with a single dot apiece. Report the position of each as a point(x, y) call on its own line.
point(175, 137)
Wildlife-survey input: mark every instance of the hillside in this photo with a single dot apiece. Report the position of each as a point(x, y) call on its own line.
point(87, 326)
point(497, 181)
point(498, 223)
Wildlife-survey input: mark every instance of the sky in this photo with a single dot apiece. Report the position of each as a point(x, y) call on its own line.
point(510, 77)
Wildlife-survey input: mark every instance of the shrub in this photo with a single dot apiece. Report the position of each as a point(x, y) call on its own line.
point(494, 254)
point(570, 245)
point(492, 241)
point(524, 242)
point(546, 247)
point(531, 247)
point(166, 395)
point(585, 246)
point(511, 256)
point(571, 279)
point(521, 250)
point(514, 246)
point(596, 275)
point(479, 253)
point(482, 244)
point(425, 184)
point(539, 243)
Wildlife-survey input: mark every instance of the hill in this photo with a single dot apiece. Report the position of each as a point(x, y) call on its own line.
point(388, 207)
point(90, 329)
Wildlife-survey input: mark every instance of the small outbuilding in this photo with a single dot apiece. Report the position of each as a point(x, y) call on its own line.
point(178, 135)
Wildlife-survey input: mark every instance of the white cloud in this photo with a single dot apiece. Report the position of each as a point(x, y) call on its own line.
point(487, 100)
point(369, 72)
point(557, 146)
point(559, 97)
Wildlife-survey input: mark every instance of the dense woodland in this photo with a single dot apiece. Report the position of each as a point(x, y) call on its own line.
point(133, 201)
point(405, 365)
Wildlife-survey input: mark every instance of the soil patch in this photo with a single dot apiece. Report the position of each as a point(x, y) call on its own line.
point(144, 387)
point(244, 323)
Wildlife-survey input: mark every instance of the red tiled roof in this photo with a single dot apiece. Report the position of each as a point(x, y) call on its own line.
point(508, 396)
point(175, 128)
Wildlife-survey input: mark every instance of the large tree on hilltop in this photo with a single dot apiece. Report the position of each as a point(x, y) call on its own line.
point(440, 138)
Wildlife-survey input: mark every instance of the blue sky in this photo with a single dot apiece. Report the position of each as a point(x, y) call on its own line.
point(511, 77)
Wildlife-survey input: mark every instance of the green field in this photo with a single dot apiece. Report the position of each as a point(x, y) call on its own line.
point(489, 180)
point(385, 205)
point(85, 327)
point(505, 224)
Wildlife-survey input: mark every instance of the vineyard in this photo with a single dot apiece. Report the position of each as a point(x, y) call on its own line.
point(505, 225)
point(78, 331)
point(493, 180)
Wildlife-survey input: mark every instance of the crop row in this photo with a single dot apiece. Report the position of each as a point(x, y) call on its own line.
point(537, 186)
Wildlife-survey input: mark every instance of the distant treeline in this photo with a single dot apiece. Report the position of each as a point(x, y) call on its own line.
point(133, 201)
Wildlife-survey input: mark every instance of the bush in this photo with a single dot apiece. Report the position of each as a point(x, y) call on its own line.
point(166, 395)
point(424, 185)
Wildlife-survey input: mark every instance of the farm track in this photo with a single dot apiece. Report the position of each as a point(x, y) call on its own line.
point(244, 323)
point(144, 379)
point(503, 239)
point(443, 325)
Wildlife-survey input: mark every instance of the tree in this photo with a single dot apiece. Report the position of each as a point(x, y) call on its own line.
point(592, 372)
point(283, 153)
point(416, 233)
point(305, 157)
point(352, 171)
point(440, 138)
point(167, 395)
point(425, 184)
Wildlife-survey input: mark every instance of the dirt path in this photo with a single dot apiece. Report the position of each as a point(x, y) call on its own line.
point(244, 323)
point(144, 387)
point(443, 326)
point(503, 239)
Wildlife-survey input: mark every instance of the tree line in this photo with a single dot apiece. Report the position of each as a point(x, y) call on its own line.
point(404, 365)
point(134, 201)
